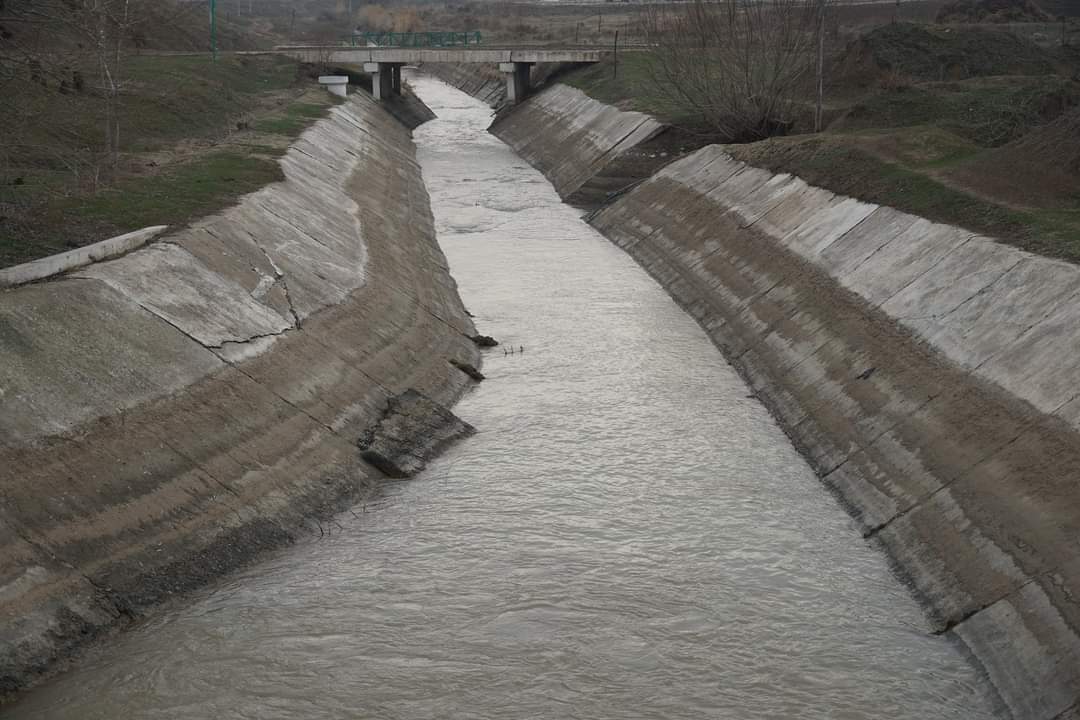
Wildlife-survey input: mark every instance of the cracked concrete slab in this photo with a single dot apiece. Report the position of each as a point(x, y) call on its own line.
point(994, 319)
point(1041, 364)
point(74, 349)
point(901, 261)
point(141, 464)
point(928, 304)
point(850, 250)
point(833, 218)
point(170, 282)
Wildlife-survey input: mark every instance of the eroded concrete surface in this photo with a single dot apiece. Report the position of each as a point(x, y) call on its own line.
point(166, 416)
point(929, 375)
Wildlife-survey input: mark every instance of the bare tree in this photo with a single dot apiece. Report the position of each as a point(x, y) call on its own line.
point(66, 37)
point(738, 64)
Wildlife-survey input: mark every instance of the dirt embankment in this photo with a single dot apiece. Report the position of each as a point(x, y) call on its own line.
point(167, 416)
point(927, 374)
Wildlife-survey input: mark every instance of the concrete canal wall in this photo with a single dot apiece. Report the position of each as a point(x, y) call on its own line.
point(483, 82)
point(168, 415)
point(930, 376)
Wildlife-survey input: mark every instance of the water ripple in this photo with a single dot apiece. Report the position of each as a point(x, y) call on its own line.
point(628, 535)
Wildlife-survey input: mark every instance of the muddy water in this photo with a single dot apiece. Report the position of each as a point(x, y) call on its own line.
point(628, 536)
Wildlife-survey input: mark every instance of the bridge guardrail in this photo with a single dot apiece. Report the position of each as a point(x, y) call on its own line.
point(434, 39)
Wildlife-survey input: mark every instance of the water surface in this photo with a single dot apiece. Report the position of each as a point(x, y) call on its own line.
point(628, 536)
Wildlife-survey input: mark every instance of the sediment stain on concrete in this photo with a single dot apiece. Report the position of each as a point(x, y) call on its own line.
point(927, 374)
point(167, 416)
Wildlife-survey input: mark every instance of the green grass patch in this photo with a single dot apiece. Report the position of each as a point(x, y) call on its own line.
point(273, 151)
point(45, 205)
point(165, 99)
point(188, 191)
point(292, 121)
point(631, 86)
point(200, 187)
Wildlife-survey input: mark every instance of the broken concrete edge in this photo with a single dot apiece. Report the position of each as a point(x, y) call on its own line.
point(178, 462)
point(413, 430)
point(939, 405)
point(52, 265)
point(234, 283)
point(469, 369)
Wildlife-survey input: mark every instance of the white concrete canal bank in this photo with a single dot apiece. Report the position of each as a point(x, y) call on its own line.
point(931, 376)
point(168, 415)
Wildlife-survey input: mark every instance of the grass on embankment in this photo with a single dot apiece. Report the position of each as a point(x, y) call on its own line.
point(845, 166)
point(629, 85)
point(195, 136)
point(956, 151)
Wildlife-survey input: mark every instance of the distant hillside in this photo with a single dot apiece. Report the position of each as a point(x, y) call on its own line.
point(992, 11)
point(927, 53)
point(1040, 169)
point(1057, 8)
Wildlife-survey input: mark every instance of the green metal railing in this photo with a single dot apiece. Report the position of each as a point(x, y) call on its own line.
point(413, 39)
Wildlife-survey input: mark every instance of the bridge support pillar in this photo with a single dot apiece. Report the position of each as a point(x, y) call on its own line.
point(517, 80)
point(385, 79)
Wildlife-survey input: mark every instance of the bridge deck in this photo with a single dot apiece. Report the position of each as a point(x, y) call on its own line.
point(410, 56)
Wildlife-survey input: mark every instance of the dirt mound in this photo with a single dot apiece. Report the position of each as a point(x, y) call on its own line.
point(922, 53)
point(990, 112)
point(1039, 170)
point(991, 11)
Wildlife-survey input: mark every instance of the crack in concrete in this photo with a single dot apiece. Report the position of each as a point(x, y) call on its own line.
point(290, 223)
point(920, 501)
point(951, 624)
point(844, 234)
point(261, 336)
point(1071, 709)
point(878, 249)
point(279, 274)
point(108, 594)
point(1058, 409)
point(283, 399)
point(783, 198)
point(942, 316)
point(594, 171)
point(1026, 330)
point(202, 468)
point(924, 273)
point(985, 289)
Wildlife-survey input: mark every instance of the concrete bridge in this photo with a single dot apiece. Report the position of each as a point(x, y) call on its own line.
point(384, 63)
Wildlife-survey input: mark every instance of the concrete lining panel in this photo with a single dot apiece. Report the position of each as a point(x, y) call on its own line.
point(74, 349)
point(849, 251)
point(902, 260)
point(169, 282)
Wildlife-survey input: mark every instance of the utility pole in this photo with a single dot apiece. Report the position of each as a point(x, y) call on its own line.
point(213, 30)
point(599, 22)
point(820, 64)
point(615, 57)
